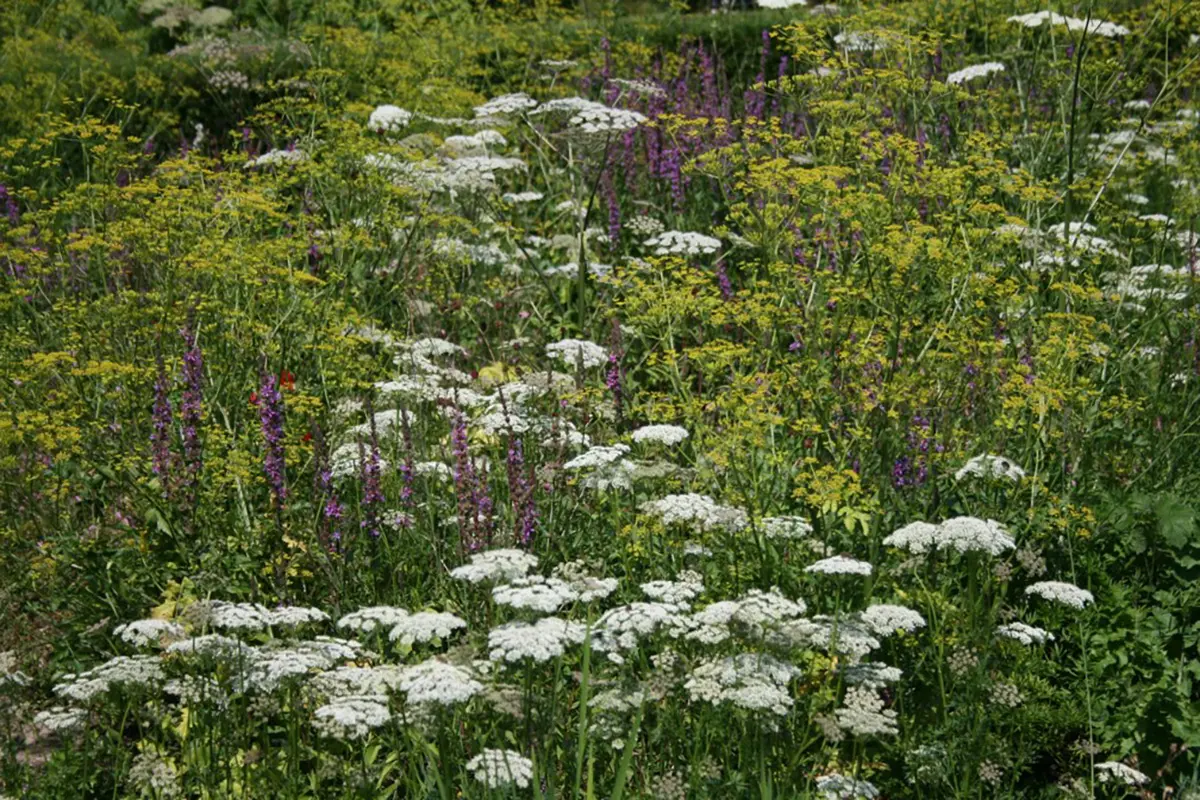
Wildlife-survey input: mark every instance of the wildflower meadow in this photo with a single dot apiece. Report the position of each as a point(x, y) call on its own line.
point(599, 399)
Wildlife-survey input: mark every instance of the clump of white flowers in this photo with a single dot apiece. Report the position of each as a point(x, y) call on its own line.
point(974, 71)
point(435, 682)
point(1060, 592)
point(697, 510)
point(752, 681)
point(1025, 634)
point(388, 119)
point(351, 717)
point(872, 674)
point(885, 619)
point(503, 564)
point(863, 713)
point(505, 105)
point(683, 243)
point(1036, 19)
point(662, 434)
point(540, 641)
point(60, 719)
point(535, 593)
point(961, 534)
point(619, 629)
point(840, 565)
point(786, 527)
point(152, 774)
point(371, 618)
point(425, 626)
point(497, 769)
point(295, 616)
point(143, 632)
point(118, 671)
point(990, 466)
point(841, 787)
point(578, 352)
point(602, 120)
point(679, 593)
point(1115, 771)
point(598, 457)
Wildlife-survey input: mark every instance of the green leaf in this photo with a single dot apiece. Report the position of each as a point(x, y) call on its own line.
point(1176, 521)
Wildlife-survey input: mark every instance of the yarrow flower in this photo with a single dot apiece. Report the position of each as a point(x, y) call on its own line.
point(697, 510)
point(425, 626)
point(786, 527)
point(990, 466)
point(752, 681)
point(435, 682)
point(540, 641)
point(961, 534)
point(351, 717)
point(1059, 592)
point(388, 118)
point(974, 71)
point(1025, 634)
point(662, 434)
point(683, 243)
point(150, 631)
point(885, 620)
point(840, 565)
point(598, 457)
point(578, 352)
point(863, 714)
point(544, 595)
point(366, 620)
point(497, 769)
point(1115, 771)
point(495, 565)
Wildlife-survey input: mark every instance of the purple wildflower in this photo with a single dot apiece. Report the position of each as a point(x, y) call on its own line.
point(190, 407)
point(160, 437)
point(270, 414)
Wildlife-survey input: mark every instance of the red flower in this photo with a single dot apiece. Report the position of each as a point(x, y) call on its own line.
point(287, 381)
point(254, 398)
point(306, 437)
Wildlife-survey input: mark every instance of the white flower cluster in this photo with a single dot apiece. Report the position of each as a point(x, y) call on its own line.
point(497, 769)
point(118, 671)
point(535, 593)
point(863, 713)
point(696, 510)
point(598, 457)
point(435, 682)
point(1115, 771)
point(1074, 24)
point(990, 466)
point(143, 632)
point(425, 626)
point(840, 565)
point(503, 564)
point(754, 614)
point(844, 635)
point(662, 434)
point(389, 119)
point(295, 616)
point(1025, 634)
point(974, 71)
point(151, 774)
point(351, 717)
point(371, 618)
point(540, 641)
point(1059, 592)
point(872, 674)
point(683, 243)
point(505, 105)
point(639, 86)
point(677, 593)
point(577, 351)
point(603, 120)
point(786, 527)
point(60, 719)
point(619, 629)
point(517, 198)
point(353, 681)
point(644, 225)
point(276, 158)
point(885, 619)
point(752, 681)
point(853, 42)
point(961, 534)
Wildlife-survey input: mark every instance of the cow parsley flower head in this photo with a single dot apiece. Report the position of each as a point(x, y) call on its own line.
point(295, 616)
point(854, 42)
point(885, 620)
point(863, 714)
point(752, 681)
point(786, 527)
point(535, 593)
point(915, 537)
point(152, 774)
point(604, 120)
point(841, 787)
point(619, 629)
point(286, 665)
point(213, 644)
point(60, 719)
point(1059, 592)
point(598, 457)
point(371, 618)
point(352, 681)
point(143, 632)
point(990, 466)
point(872, 674)
point(388, 119)
point(505, 105)
point(974, 71)
point(1025, 634)
point(1116, 772)
point(683, 243)
point(435, 682)
point(137, 671)
point(516, 198)
point(578, 351)
point(497, 769)
point(698, 511)
point(351, 717)
point(662, 434)
point(961, 534)
point(503, 564)
point(425, 626)
point(679, 593)
point(540, 641)
point(243, 617)
point(840, 565)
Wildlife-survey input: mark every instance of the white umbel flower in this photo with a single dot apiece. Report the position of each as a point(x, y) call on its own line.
point(1060, 592)
point(678, 593)
point(351, 717)
point(1116, 772)
point(60, 719)
point(752, 681)
point(143, 632)
point(505, 105)
point(388, 119)
point(577, 351)
point(535, 593)
point(1025, 634)
point(604, 120)
point(841, 787)
point(961, 534)
point(214, 644)
point(497, 769)
point(118, 671)
point(786, 527)
point(662, 434)
point(974, 71)
point(872, 674)
point(683, 243)
point(351, 681)
point(885, 619)
point(863, 714)
point(698, 511)
point(294, 616)
point(990, 466)
point(840, 565)
point(372, 618)
point(598, 457)
point(435, 682)
point(426, 626)
point(243, 617)
point(496, 565)
point(619, 629)
point(540, 641)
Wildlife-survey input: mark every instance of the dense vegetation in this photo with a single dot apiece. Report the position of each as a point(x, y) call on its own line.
point(456, 399)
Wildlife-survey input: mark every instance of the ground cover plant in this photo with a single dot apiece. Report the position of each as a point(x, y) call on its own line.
point(599, 401)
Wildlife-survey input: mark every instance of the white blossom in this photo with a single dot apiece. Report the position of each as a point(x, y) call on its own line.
point(425, 626)
point(604, 120)
point(496, 769)
point(1025, 634)
point(505, 105)
point(294, 616)
point(662, 434)
point(388, 118)
point(683, 243)
point(61, 719)
point(535, 593)
point(371, 618)
point(438, 683)
point(351, 717)
point(840, 565)
point(349, 681)
point(495, 565)
point(678, 593)
point(885, 619)
point(598, 456)
point(961, 534)
point(1115, 771)
point(540, 641)
point(872, 674)
point(990, 466)
point(785, 527)
point(752, 681)
point(696, 510)
point(578, 352)
point(1059, 592)
point(118, 671)
point(841, 787)
point(974, 71)
point(863, 714)
point(150, 631)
